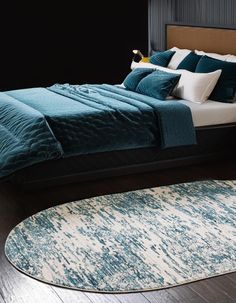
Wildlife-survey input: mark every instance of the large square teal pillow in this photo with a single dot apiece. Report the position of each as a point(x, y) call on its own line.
point(158, 84)
point(190, 62)
point(225, 88)
point(135, 76)
point(161, 58)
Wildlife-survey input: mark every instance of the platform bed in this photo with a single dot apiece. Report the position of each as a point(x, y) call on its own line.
point(215, 143)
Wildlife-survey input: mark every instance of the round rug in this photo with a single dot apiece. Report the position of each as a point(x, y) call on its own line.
point(134, 241)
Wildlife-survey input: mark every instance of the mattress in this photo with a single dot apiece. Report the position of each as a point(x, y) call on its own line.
point(211, 112)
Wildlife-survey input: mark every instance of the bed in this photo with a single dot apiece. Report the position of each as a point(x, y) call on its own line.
point(125, 152)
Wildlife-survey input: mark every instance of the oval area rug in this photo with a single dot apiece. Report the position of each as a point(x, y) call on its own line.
point(134, 241)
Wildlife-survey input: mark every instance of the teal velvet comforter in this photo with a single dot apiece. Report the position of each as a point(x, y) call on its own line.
point(40, 124)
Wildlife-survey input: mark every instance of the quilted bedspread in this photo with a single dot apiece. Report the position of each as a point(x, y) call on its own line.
point(40, 124)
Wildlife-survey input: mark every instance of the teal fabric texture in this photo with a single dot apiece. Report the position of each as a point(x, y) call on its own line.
point(40, 124)
point(190, 62)
point(225, 88)
point(134, 241)
point(25, 138)
point(135, 76)
point(158, 84)
point(162, 58)
point(139, 116)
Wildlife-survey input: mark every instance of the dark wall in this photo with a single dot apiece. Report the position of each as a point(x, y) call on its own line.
point(46, 43)
point(197, 12)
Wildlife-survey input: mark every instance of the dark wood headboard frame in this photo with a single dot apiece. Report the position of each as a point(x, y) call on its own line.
point(209, 39)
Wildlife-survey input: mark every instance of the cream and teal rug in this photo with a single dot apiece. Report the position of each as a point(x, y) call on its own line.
point(134, 241)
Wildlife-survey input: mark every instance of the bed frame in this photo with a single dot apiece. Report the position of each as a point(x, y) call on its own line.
point(215, 143)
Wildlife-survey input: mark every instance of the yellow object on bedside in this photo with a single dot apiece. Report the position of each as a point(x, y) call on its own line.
point(145, 59)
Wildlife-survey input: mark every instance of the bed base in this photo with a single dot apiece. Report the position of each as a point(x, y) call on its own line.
point(214, 144)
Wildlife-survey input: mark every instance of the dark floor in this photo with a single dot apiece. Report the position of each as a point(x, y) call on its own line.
point(16, 206)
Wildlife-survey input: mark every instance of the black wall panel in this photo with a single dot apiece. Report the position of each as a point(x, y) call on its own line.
point(46, 42)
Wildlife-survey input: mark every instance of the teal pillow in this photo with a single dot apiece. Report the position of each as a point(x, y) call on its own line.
point(161, 58)
point(158, 84)
point(225, 88)
point(135, 76)
point(190, 62)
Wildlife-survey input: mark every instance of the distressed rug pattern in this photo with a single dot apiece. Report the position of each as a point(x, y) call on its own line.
point(134, 241)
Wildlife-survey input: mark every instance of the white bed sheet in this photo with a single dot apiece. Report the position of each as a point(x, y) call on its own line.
point(211, 112)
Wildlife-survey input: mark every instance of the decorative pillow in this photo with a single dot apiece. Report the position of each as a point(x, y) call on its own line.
point(196, 87)
point(226, 86)
point(190, 62)
point(193, 87)
point(232, 58)
point(161, 58)
point(179, 55)
point(135, 76)
point(212, 55)
point(158, 84)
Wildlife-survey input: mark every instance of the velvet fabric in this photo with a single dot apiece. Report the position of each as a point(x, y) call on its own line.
point(135, 76)
point(158, 84)
point(40, 124)
point(190, 62)
point(225, 88)
point(161, 58)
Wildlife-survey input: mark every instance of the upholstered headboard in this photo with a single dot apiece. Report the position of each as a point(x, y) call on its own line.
point(208, 39)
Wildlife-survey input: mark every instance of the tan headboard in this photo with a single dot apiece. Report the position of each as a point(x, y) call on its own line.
point(217, 40)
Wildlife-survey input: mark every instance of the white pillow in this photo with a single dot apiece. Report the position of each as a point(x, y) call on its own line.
point(179, 55)
point(143, 65)
point(196, 87)
point(213, 55)
point(231, 58)
point(150, 65)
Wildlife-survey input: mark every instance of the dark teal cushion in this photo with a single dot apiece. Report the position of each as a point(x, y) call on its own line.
point(161, 58)
point(190, 62)
point(135, 76)
point(158, 84)
point(225, 88)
